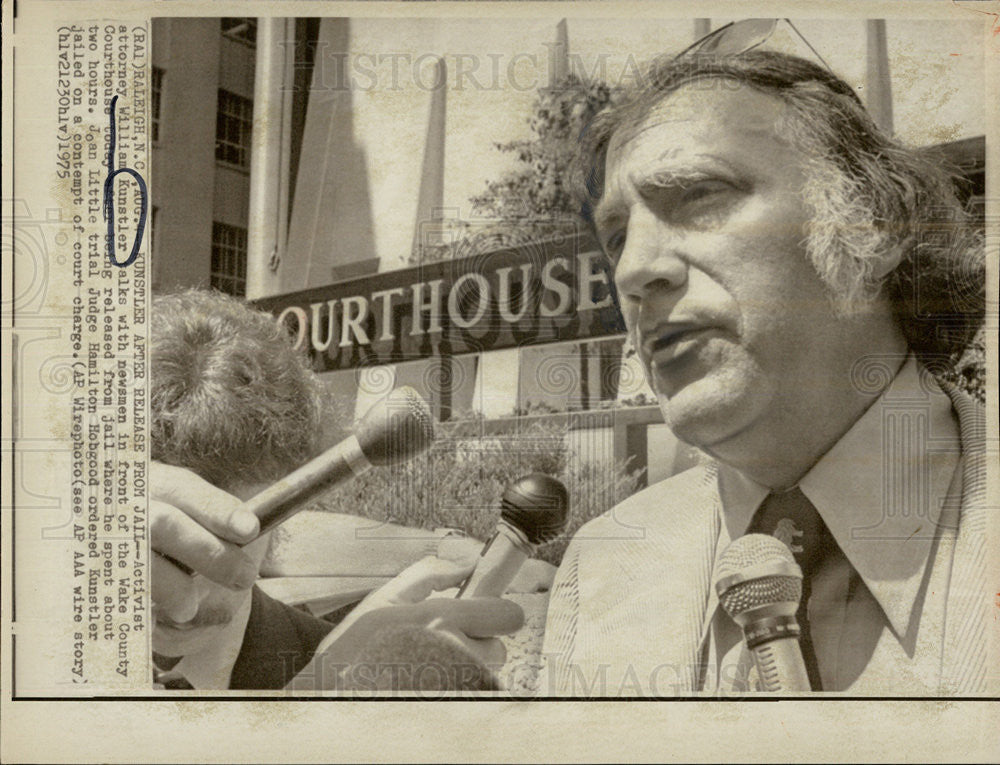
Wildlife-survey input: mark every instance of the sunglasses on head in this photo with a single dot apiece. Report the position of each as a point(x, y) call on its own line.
point(738, 37)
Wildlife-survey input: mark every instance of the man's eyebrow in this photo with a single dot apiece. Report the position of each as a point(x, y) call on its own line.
point(667, 178)
point(690, 168)
point(679, 175)
point(607, 216)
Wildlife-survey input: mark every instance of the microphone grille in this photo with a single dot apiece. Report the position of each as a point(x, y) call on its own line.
point(757, 570)
point(751, 551)
point(397, 428)
point(745, 596)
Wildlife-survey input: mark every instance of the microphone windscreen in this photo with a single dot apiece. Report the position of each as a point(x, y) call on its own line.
point(413, 658)
point(754, 571)
point(537, 505)
point(396, 429)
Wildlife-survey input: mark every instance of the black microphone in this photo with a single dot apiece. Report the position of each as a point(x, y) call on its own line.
point(396, 429)
point(759, 585)
point(533, 510)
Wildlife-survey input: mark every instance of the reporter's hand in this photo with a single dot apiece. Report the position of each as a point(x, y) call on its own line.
point(200, 526)
point(472, 624)
point(534, 576)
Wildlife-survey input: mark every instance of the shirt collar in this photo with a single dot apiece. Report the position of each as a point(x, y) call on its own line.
point(880, 489)
point(211, 668)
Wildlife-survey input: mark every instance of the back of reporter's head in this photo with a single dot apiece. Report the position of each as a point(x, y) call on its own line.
point(231, 399)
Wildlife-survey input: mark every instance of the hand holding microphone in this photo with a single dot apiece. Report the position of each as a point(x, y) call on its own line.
point(533, 511)
point(400, 639)
point(196, 527)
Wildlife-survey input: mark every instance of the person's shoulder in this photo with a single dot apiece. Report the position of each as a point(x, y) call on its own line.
point(652, 506)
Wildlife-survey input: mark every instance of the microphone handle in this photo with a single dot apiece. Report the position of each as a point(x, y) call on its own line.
point(780, 666)
point(283, 499)
point(498, 564)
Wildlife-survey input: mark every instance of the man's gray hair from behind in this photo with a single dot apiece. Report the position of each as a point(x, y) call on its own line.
point(230, 398)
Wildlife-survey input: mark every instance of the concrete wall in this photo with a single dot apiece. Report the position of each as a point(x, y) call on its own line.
point(188, 188)
point(184, 157)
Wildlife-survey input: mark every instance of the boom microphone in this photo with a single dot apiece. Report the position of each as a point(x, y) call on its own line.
point(759, 585)
point(533, 511)
point(396, 429)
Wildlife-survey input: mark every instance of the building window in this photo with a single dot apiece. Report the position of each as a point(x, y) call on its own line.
point(229, 259)
point(233, 124)
point(156, 91)
point(244, 30)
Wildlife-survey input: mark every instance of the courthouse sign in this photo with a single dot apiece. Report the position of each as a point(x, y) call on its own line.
point(538, 293)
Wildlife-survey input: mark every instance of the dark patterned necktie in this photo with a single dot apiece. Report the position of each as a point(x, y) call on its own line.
point(793, 519)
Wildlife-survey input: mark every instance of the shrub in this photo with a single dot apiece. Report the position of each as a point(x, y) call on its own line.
point(459, 481)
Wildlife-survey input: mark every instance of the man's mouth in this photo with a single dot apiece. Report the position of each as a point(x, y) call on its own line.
point(673, 342)
point(211, 617)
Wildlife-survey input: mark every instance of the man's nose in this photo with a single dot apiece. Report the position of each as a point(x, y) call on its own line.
point(650, 259)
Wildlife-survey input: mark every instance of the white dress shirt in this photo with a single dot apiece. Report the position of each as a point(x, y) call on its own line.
point(885, 491)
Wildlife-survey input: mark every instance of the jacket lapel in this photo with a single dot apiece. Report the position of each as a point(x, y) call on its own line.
point(643, 599)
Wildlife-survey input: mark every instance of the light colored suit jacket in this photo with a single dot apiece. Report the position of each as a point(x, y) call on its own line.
point(633, 596)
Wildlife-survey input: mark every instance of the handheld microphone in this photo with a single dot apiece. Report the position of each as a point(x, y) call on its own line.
point(759, 585)
point(533, 510)
point(396, 429)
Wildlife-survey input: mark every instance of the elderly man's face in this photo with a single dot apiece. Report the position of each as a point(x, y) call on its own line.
point(217, 606)
point(704, 218)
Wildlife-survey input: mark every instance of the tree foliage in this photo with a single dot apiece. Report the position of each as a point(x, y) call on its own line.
point(532, 200)
point(536, 189)
point(459, 481)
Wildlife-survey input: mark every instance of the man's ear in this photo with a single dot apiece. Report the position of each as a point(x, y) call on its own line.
point(890, 259)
